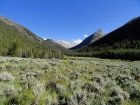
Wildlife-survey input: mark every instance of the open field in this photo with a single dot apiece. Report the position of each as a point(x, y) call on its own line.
point(71, 81)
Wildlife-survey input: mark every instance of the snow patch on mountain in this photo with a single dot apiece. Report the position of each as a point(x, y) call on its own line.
point(66, 44)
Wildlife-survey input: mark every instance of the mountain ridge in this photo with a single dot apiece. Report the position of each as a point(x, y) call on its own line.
point(90, 39)
point(16, 40)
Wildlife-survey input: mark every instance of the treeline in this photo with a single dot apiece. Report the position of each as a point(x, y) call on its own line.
point(125, 54)
point(15, 49)
point(127, 49)
point(20, 42)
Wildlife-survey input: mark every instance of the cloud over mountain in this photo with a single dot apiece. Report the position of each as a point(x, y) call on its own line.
point(85, 36)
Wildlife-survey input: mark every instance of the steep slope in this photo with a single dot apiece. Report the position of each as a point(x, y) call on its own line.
point(123, 42)
point(92, 38)
point(65, 44)
point(16, 40)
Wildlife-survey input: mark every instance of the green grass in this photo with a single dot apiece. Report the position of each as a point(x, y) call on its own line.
point(70, 81)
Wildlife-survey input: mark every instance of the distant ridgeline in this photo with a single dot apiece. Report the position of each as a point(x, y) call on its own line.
point(18, 41)
point(122, 43)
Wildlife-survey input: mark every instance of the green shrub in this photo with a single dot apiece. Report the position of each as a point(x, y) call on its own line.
point(5, 76)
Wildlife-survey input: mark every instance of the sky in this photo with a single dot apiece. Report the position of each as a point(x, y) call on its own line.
point(69, 20)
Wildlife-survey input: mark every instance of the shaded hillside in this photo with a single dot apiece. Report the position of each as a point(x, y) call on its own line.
point(122, 43)
point(92, 38)
point(16, 40)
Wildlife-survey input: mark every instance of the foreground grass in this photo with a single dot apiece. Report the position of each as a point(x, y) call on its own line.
point(72, 81)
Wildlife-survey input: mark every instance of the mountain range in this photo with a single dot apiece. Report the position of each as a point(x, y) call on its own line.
point(122, 43)
point(72, 46)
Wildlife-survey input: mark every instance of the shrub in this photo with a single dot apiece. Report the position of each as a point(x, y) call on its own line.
point(118, 95)
point(38, 89)
point(5, 76)
point(2, 60)
point(79, 97)
point(8, 90)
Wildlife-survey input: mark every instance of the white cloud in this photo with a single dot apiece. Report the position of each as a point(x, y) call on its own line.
point(85, 35)
point(44, 38)
point(77, 41)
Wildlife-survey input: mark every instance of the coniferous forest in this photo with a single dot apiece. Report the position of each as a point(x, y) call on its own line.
point(16, 40)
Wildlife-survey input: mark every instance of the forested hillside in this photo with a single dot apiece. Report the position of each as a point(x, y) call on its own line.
point(122, 43)
point(16, 40)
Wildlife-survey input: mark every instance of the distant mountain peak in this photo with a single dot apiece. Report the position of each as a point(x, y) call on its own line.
point(90, 39)
point(97, 35)
point(65, 44)
point(99, 32)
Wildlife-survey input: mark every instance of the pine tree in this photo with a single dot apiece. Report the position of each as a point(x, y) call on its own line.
point(13, 49)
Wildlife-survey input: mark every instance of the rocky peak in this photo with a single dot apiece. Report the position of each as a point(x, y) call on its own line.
point(97, 35)
point(90, 39)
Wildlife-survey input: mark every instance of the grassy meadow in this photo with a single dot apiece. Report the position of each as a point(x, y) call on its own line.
point(70, 81)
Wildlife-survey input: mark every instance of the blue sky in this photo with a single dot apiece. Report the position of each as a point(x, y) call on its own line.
point(70, 20)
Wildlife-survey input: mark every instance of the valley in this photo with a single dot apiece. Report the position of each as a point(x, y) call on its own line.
point(101, 70)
